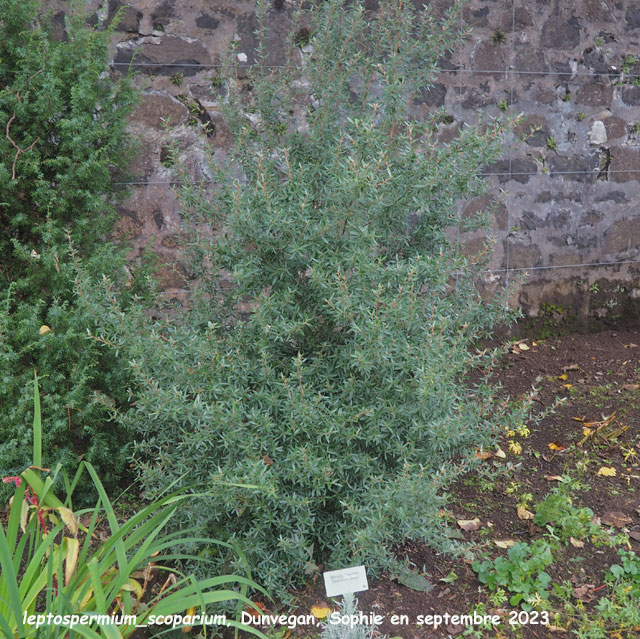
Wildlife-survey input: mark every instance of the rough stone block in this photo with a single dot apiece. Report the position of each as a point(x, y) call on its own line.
point(165, 57)
point(632, 17)
point(532, 62)
point(615, 127)
point(206, 21)
point(625, 164)
point(490, 58)
point(622, 236)
point(521, 170)
point(560, 33)
point(595, 94)
point(522, 255)
point(477, 98)
point(432, 96)
point(154, 109)
point(129, 17)
point(575, 168)
point(631, 95)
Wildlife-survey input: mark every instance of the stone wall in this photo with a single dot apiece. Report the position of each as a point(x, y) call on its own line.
point(566, 217)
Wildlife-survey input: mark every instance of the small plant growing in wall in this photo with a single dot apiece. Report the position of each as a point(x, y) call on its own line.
point(499, 37)
point(552, 145)
point(628, 62)
point(503, 105)
point(177, 79)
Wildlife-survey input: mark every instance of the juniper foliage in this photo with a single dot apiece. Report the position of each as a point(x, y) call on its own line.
point(62, 142)
point(325, 348)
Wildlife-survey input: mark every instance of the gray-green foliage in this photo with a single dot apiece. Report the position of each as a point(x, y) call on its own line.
point(332, 371)
point(348, 626)
point(62, 137)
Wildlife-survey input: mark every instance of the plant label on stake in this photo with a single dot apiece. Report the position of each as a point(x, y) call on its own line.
point(346, 580)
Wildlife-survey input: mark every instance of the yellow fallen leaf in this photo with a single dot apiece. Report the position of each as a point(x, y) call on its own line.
point(321, 611)
point(607, 471)
point(469, 524)
point(576, 543)
point(567, 386)
point(556, 446)
point(44, 329)
point(524, 514)
point(504, 543)
point(523, 347)
point(190, 613)
point(563, 377)
point(534, 343)
point(587, 432)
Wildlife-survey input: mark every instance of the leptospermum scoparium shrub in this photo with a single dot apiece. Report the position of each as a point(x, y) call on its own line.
point(324, 349)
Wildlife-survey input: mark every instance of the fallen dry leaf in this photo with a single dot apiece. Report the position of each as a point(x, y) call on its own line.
point(500, 453)
point(504, 543)
point(576, 543)
point(483, 454)
point(571, 367)
point(616, 518)
point(584, 592)
point(630, 387)
point(607, 471)
point(553, 478)
point(524, 514)
point(558, 629)
point(556, 446)
point(522, 346)
point(630, 345)
point(320, 611)
point(469, 524)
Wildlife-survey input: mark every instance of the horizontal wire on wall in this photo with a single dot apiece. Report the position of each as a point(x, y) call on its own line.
point(545, 268)
point(569, 74)
point(551, 174)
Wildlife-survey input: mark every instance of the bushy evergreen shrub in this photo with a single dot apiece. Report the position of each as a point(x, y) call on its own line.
point(62, 142)
point(332, 371)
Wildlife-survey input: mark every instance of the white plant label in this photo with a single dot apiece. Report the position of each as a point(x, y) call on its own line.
point(340, 582)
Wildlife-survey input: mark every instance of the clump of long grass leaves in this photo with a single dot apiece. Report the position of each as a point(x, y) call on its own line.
point(86, 562)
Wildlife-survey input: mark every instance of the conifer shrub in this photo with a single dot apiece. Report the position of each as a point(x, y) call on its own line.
point(325, 352)
point(62, 144)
